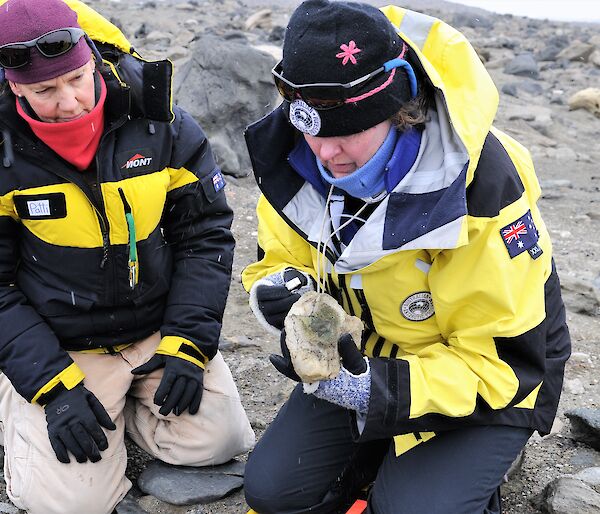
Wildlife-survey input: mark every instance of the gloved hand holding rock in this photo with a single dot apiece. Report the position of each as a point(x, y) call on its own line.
point(351, 389)
point(75, 419)
point(283, 362)
point(272, 297)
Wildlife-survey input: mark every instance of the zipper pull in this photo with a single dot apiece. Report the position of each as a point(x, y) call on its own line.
point(132, 263)
point(104, 251)
point(133, 274)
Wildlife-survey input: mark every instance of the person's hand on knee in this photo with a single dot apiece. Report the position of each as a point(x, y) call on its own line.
point(75, 419)
point(181, 385)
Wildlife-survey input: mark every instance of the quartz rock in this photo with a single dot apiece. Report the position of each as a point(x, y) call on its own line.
point(313, 327)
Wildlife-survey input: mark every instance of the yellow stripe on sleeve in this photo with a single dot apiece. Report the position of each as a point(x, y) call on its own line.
point(70, 377)
point(171, 345)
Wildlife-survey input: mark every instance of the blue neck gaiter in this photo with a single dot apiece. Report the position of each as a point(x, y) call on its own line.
point(368, 181)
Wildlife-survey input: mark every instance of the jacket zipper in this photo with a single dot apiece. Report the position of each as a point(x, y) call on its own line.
point(132, 262)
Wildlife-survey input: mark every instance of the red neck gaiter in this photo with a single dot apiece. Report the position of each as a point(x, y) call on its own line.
point(75, 141)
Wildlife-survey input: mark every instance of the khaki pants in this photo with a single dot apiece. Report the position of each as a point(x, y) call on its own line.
point(38, 483)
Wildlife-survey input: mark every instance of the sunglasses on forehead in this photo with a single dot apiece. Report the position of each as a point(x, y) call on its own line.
point(326, 95)
point(51, 44)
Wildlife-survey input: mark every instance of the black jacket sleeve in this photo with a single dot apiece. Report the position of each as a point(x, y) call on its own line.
point(196, 224)
point(30, 353)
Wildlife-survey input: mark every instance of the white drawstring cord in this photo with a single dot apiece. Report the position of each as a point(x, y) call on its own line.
point(321, 285)
point(320, 288)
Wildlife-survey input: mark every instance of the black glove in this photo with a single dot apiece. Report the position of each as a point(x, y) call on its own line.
point(352, 360)
point(275, 301)
point(181, 385)
point(283, 362)
point(75, 418)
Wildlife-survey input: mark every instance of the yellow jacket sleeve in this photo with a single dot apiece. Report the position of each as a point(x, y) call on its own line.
point(280, 246)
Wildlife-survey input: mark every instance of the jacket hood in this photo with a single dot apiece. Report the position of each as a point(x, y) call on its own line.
point(455, 69)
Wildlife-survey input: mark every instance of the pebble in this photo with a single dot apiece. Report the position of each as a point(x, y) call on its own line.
point(574, 386)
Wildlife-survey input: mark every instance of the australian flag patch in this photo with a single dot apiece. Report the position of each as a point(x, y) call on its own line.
point(218, 181)
point(521, 235)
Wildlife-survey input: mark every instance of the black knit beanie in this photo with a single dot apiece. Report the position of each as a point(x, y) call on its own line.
point(338, 42)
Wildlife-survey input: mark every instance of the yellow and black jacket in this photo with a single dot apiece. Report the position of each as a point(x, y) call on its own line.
point(139, 242)
point(452, 272)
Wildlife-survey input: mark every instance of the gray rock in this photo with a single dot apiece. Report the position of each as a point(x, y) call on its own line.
point(235, 342)
point(531, 87)
point(153, 505)
point(554, 183)
point(185, 485)
point(510, 88)
point(580, 358)
point(585, 425)
point(261, 19)
point(584, 457)
point(226, 85)
point(159, 38)
point(562, 153)
point(278, 32)
point(129, 505)
point(8, 508)
point(553, 47)
point(580, 296)
point(591, 476)
point(523, 65)
point(574, 386)
point(577, 51)
point(567, 495)
point(464, 19)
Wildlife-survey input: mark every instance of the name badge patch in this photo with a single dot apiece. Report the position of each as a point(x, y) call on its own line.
point(521, 235)
point(38, 207)
point(45, 206)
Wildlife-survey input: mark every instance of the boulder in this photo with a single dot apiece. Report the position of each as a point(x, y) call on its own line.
point(226, 85)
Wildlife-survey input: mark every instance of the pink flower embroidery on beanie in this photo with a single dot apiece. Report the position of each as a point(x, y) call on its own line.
point(348, 52)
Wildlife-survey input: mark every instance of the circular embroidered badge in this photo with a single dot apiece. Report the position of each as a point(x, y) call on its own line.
point(418, 307)
point(305, 118)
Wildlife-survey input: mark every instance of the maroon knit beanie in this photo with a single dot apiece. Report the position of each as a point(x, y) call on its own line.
point(24, 20)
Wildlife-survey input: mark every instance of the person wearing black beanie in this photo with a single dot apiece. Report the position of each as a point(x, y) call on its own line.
point(385, 185)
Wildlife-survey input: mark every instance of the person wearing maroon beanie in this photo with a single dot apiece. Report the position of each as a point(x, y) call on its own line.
point(115, 264)
point(385, 186)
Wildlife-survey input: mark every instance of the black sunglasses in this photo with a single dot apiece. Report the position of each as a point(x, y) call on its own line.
point(51, 44)
point(324, 96)
point(320, 96)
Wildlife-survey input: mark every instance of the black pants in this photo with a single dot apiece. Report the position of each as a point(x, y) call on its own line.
point(307, 462)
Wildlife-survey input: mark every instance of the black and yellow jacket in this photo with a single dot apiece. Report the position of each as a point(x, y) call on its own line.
point(139, 242)
point(451, 274)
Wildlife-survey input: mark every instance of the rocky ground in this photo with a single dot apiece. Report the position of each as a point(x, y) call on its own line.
point(538, 66)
